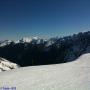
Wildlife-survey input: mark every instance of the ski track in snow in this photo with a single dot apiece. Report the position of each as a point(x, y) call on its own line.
point(68, 76)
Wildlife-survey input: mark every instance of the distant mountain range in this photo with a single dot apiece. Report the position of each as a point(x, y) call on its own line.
point(34, 40)
point(37, 51)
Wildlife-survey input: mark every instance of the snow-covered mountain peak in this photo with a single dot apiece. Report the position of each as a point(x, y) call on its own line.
point(5, 42)
point(33, 40)
point(26, 39)
point(36, 38)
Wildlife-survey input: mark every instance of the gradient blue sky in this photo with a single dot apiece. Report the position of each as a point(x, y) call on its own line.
point(43, 18)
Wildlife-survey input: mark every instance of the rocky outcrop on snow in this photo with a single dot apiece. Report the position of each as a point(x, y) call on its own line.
point(6, 65)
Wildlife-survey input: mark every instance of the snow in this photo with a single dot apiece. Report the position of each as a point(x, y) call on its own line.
point(26, 39)
point(74, 75)
point(4, 43)
point(7, 65)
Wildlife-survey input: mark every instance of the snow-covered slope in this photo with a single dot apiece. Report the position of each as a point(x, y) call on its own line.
point(7, 65)
point(25, 39)
point(4, 43)
point(68, 76)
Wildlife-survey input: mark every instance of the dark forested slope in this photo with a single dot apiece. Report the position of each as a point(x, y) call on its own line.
point(52, 51)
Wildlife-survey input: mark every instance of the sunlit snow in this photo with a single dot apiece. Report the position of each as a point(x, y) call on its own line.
point(74, 75)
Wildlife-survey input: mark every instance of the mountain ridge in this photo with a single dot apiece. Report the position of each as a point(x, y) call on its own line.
point(43, 52)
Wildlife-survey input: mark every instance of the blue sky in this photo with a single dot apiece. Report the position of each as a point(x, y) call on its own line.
point(43, 18)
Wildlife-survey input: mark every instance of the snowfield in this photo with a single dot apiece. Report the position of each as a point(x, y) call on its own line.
point(68, 76)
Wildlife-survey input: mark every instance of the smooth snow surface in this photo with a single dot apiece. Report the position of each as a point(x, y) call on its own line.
point(69, 76)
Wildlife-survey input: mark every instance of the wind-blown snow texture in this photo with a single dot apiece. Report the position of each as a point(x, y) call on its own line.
point(6, 65)
point(68, 76)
